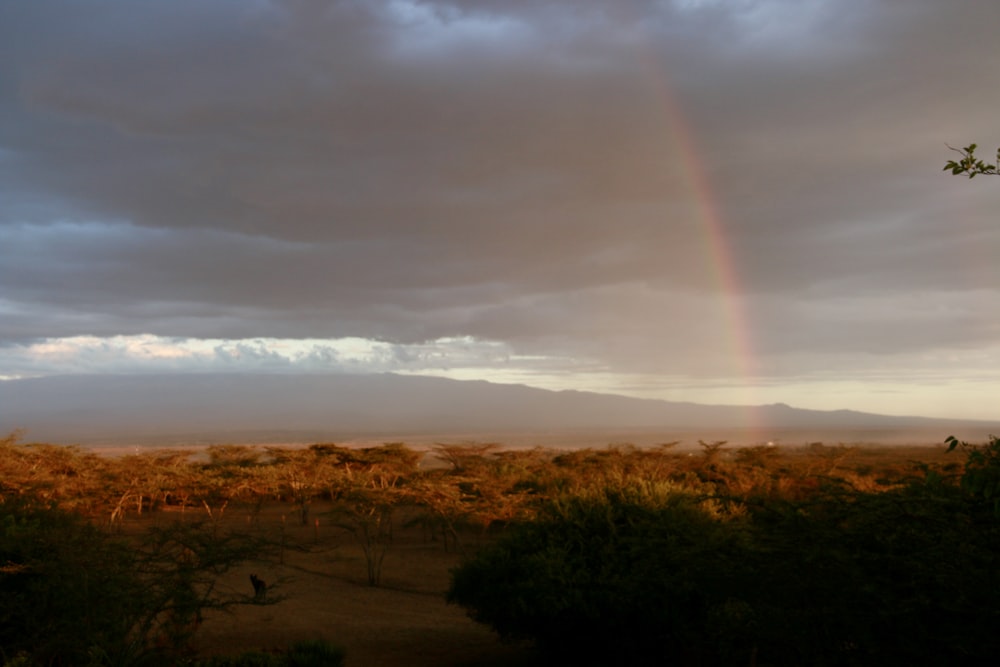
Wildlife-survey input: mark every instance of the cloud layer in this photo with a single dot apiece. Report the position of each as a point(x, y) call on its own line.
point(648, 190)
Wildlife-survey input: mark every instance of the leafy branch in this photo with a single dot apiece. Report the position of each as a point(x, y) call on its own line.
point(970, 164)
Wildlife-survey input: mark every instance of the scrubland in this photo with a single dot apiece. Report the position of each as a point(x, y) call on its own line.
point(477, 554)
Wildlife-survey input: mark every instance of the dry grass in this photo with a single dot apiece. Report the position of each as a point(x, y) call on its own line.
point(325, 595)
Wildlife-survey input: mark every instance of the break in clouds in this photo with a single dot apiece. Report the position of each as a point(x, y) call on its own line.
point(661, 198)
point(126, 354)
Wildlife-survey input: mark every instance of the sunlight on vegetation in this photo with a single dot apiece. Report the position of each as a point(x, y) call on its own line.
point(706, 555)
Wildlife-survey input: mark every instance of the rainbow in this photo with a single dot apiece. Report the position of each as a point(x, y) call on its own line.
point(716, 246)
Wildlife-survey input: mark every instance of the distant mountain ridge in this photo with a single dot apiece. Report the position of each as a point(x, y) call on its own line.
point(73, 408)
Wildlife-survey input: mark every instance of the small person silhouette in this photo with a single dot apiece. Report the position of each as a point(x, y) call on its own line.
point(259, 587)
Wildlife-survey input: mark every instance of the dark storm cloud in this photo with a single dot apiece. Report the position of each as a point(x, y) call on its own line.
point(506, 170)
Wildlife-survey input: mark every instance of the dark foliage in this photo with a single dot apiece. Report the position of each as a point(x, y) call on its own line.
point(65, 589)
point(315, 653)
point(624, 577)
point(905, 576)
point(72, 594)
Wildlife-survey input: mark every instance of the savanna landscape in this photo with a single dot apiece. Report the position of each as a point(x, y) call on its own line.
point(439, 333)
point(480, 554)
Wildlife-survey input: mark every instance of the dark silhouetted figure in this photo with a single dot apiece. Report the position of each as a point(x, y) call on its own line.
point(259, 587)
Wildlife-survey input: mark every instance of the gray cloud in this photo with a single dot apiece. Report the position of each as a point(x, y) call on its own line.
point(541, 174)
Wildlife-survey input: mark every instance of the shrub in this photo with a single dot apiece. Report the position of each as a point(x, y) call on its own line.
point(635, 577)
point(64, 587)
point(981, 478)
point(71, 594)
point(310, 653)
point(617, 577)
point(899, 577)
point(315, 653)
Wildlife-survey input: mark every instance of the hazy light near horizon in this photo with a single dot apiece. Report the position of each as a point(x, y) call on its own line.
point(932, 391)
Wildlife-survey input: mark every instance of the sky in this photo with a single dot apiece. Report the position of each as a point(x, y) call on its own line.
point(736, 202)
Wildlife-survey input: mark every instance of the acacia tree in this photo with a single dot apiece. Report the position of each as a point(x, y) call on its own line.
point(64, 475)
point(142, 480)
point(444, 509)
point(377, 480)
point(299, 475)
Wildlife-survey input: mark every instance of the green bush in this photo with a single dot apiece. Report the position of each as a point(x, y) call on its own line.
point(841, 578)
point(71, 594)
point(65, 588)
point(316, 653)
point(617, 577)
point(248, 659)
point(981, 478)
point(900, 577)
point(311, 653)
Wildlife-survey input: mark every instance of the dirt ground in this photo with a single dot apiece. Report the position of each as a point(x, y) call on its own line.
point(322, 582)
